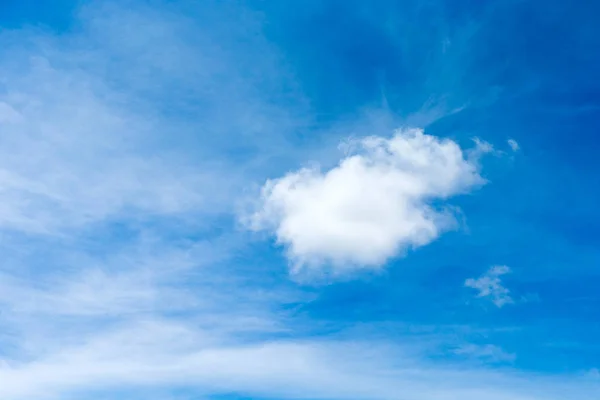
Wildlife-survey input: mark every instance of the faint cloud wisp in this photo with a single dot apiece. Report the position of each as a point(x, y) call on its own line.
point(489, 285)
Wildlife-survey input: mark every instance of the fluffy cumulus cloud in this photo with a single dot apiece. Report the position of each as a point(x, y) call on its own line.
point(489, 285)
point(375, 204)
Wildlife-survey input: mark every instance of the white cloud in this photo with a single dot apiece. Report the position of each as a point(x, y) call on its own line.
point(513, 145)
point(112, 121)
point(161, 353)
point(85, 154)
point(375, 204)
point(90, 335)
point(490, 285)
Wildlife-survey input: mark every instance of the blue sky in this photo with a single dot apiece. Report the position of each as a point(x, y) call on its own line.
point(299, 200)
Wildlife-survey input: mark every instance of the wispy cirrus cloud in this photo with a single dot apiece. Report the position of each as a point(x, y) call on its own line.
point(219, 346)
point(107, 116)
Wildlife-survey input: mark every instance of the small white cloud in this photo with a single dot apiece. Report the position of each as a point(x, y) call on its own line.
point(513, 144)
point(373, 205)
point(490, 285)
